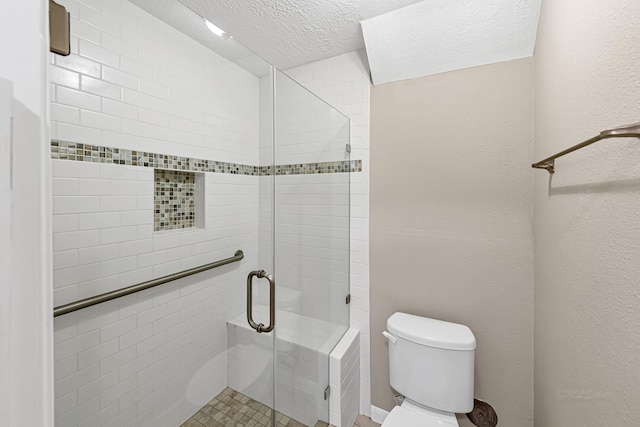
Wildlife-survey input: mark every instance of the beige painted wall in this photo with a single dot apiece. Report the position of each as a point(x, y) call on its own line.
point(587, 222)
point(451, 221)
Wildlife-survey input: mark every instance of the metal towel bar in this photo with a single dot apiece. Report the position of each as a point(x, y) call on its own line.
point(88, 302)
point(629, 131)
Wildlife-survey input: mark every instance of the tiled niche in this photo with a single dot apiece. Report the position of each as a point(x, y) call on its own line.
point(177, 199)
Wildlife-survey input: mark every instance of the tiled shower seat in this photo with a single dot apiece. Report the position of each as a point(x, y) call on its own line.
point(302, 362)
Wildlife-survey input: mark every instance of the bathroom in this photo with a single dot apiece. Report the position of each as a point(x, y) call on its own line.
point(459, 227)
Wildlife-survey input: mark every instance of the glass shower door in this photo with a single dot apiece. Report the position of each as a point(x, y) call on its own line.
point(303, 257)
point(251, 338)
point(311, 248)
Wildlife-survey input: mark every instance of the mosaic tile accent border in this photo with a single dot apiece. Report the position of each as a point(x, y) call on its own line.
point(74, 151)
point(174, 200)
point(324, 167)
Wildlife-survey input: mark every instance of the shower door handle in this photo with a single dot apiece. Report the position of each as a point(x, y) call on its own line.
point(259, 327)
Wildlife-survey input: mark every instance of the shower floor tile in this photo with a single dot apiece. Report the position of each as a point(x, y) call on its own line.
point(233, 409)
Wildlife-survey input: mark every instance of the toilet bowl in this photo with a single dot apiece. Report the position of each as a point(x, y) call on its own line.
point(431, 364)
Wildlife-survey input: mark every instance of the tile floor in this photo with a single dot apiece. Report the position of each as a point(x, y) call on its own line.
point(233, 409)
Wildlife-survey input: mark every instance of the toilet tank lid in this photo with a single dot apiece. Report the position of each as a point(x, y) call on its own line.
point(431, 332)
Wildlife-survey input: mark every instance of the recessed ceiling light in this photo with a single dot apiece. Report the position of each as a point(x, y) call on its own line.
point(215, 30)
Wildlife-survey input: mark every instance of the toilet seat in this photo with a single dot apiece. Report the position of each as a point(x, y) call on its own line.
point(402, 416)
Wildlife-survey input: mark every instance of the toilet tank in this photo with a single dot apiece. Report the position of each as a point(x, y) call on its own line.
point(431, 361)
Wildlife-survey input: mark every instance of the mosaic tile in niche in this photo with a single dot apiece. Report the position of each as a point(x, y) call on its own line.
point(174, 200)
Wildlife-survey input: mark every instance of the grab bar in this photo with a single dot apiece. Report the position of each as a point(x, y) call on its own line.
point(108, 296)
point(629, 131)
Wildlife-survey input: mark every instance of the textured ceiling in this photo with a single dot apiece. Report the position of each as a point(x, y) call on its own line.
point(404, 38)
point(289, 33)
point(436, 36)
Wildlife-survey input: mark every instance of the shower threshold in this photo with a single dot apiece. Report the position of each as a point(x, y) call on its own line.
point(231, 408)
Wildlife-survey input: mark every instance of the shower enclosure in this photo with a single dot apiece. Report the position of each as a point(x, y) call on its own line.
point(174, 148)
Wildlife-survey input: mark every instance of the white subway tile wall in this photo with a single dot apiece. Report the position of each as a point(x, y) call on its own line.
point(138, 84)
point(148, 358)
point(308, 130)
point(103, 227)
point(127, 71)
point(134, 82)
point(312, 211)
point(344, 367)
point(312, 243)
point(116, 352)
point(343, 81)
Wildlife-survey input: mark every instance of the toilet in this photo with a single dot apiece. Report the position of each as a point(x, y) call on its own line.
point(431, 365)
